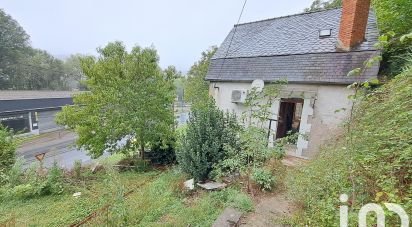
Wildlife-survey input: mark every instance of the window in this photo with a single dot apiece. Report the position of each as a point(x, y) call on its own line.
point(325, 33)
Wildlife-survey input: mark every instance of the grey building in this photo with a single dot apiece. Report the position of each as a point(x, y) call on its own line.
point(32, 111)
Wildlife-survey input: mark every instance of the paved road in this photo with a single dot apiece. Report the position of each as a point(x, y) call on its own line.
point(57, 146)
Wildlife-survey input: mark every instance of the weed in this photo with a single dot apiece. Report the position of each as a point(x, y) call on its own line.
point(263, 178)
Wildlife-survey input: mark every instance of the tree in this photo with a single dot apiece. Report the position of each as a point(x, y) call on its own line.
point(196, 88)
point(39, 71)
point(394, 16)
point(129, 100)
point(73, 72)
point(180, 86)
point(321, 5)
point(23, 67)
point(171, 74)
point(14, 41)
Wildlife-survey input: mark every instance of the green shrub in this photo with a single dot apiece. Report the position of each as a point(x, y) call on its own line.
point(162, 154)
point(251, 152)
point(54, 182)
point(33, 183)
point(24, 191)
point(7, 150)
point(277, 152)
point(202, 146)
point(263, 178)
point(14, 175)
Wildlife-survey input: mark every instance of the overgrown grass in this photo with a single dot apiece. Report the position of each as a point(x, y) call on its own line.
point(157, 200)
point(162, 203)
point(372, 163)
point(60, 210)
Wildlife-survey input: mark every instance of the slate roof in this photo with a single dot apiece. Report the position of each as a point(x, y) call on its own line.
point(290, 47)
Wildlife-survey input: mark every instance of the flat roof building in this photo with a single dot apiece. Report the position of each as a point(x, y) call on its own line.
point(32, 111)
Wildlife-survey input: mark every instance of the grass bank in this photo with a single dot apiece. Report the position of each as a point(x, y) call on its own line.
point(157, 200)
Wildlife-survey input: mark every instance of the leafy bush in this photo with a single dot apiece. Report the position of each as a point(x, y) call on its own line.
point(7, 150)
point(371, 163)
point(31, 183)
point(162, 154)
point(13, 177)
point(24, 191)
point(54, 182)
point(251, 152)
point(263, 178)
point(202, 146)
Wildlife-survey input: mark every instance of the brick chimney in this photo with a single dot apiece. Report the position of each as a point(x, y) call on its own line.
point(353, 23)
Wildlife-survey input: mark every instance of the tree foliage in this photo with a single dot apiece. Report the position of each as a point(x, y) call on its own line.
point(172, 74)
point(39, 70)
point(322, 5)
point(130, 98)
point(180, 87)
point(73, 72)
point(394, 16)
point(196, 88)
point(25, 68)
point(14, 42)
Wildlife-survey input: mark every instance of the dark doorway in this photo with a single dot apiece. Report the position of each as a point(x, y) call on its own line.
point(290, 112)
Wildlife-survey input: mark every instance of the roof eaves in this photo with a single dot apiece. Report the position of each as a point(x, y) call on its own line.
point(289, 82)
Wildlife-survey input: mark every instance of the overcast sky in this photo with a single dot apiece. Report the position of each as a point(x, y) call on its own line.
point(179, 29)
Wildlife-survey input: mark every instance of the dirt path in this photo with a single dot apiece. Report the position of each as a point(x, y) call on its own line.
point(268, 212)
point(273, 207)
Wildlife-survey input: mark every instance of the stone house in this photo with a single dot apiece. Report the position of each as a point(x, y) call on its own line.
point(312, 51)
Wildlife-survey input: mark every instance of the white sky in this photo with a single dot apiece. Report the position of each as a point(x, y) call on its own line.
point(179, 29)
